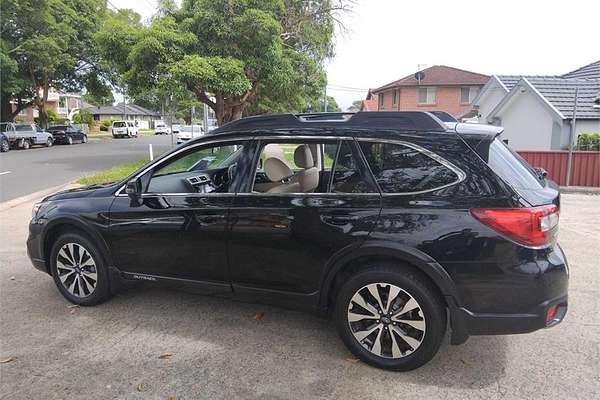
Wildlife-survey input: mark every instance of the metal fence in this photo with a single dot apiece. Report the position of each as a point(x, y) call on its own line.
point(585, 170)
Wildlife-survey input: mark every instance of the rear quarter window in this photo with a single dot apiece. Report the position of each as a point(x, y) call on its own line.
point(511, 167)
point(402, 169)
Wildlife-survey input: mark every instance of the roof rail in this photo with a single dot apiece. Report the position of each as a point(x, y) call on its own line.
point(404, 120)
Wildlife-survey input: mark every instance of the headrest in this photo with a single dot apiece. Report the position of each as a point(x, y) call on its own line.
point(276, 170)
point(303, 157)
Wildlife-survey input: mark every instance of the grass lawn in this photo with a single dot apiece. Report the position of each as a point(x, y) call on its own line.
point(112, 174)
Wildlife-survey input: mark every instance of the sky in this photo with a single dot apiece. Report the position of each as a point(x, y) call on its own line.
point(385, 40)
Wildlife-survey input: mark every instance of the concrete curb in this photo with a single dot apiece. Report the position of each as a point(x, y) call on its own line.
point(580, 190)
point(33, 196)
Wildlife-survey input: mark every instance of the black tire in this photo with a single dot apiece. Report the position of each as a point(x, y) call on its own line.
point(102, 290)
point(430, 302)
point(4, 146)
point(49, 142)
point(84, 139)
point(69, 140)
point(26, 145)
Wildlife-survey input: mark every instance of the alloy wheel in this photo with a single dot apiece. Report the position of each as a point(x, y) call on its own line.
point(386, 320)
point(76, 270)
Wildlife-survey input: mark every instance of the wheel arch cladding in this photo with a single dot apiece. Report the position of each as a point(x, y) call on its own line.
point(71, 225)
point(357, 259)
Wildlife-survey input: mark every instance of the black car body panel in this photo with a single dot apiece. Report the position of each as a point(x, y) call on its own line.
point(290, 248)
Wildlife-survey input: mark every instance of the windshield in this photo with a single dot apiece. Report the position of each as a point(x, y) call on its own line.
point(119, 124)
point(21, 128)
point(511, 167)
point(3, 127)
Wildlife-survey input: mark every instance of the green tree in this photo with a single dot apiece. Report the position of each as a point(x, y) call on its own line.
point(84, 117)
point(318, 106)
point(237, 56)
point(50, 41)
point(98, 92)
point(355, 107)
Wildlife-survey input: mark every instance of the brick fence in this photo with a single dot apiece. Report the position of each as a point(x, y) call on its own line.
point(585, 170)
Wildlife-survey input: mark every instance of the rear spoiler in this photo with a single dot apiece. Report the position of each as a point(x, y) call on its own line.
point(477, 136)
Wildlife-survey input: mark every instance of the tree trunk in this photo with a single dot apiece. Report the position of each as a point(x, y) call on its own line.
point(6, 110)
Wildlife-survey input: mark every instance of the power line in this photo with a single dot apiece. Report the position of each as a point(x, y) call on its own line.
point(347, 87)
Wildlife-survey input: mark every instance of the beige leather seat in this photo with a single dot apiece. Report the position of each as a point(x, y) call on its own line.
point(308, 176)
point(278, 171)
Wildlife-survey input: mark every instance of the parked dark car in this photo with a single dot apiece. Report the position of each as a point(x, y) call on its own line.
point(395, 224)
point(67, 134)
point(4, 143)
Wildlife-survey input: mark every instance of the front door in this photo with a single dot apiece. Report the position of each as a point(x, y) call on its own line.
point(284, 232)
point(180, 229)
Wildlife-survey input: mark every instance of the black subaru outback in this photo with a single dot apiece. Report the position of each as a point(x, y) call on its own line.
point(397, 224)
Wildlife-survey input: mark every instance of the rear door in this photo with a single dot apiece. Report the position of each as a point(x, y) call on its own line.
point(281, 242)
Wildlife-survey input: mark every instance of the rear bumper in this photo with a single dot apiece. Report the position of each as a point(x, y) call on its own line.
point(546, 302)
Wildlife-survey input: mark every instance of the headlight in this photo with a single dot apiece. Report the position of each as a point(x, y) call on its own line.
point(36, 208)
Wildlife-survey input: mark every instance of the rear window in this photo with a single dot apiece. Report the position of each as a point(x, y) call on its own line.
point(403, 169)
point(57, 128)
point(511, 167)
point(119, 124)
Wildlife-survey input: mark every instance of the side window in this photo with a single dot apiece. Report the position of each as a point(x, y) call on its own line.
point(402, 169)
point(203, 169)
point(347, 175)
point(293, 167)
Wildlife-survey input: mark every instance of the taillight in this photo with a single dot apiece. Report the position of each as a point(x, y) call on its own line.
point(533, 226)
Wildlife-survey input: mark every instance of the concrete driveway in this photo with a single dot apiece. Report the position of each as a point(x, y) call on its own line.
point(220, 350)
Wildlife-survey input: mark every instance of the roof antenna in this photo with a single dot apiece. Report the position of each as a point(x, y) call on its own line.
point(420, 75)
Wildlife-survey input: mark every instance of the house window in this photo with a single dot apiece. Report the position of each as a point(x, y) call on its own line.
point(23, 112)
point(62, 102)
point(380, 97)
point(395, 97)
point(468, 94)
point(426, 95)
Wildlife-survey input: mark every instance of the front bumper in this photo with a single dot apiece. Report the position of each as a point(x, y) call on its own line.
point(35, 248)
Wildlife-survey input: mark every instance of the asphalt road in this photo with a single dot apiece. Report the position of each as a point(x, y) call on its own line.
point(27, 171)
point(221, 351)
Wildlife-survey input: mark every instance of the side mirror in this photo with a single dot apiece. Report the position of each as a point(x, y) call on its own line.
point(133, 188)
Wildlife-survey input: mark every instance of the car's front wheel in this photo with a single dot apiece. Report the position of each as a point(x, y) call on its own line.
point(84, 139)
point(49, 142)
point(4, 146)
point(69, 140)
point(79, 270)
point(391, 317)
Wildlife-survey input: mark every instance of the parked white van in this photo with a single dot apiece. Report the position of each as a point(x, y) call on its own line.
point(124, 129)
point(187, 132)
point(161, 128)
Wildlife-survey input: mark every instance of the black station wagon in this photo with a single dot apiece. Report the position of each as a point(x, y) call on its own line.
point(397, 224)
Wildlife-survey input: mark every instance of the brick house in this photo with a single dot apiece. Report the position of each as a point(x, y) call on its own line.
point(64, 104)
point(441, 88)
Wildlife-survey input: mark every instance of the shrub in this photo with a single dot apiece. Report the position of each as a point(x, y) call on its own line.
point(84, 117)
point(104, 125)
point(589, 141)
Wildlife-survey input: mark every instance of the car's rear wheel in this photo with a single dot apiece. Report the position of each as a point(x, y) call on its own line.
point(391, 317)
point(49, 142)
point(69, 140)
point(4, 146)
point(79, 270)
point(84, 139)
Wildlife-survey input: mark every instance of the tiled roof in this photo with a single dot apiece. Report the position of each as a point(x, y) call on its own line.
point(560, 93)
point(440, 75)
point(129, 109)
point(509, 81)
point(590, 71)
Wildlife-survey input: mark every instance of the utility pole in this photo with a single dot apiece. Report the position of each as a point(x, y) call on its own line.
point(205, 117)
point(325, 100)
point(571, 136)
